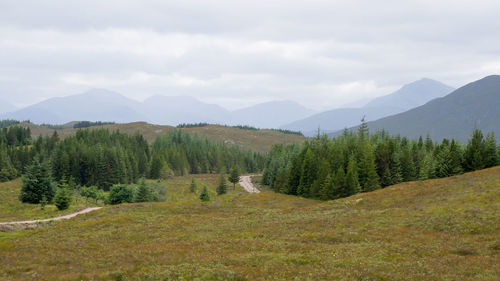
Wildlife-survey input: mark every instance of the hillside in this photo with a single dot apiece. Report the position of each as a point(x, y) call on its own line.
point(409, 96)
point(258, 140)
point(453, 116)
point(446, 229)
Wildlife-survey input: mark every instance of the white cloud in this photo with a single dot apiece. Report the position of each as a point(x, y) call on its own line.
point(319, 53)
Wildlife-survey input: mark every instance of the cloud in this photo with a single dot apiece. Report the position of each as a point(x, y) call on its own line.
point(319, 53)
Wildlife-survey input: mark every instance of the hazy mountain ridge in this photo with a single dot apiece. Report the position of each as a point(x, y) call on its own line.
point(409, 96)
point(474, 105)
point(104, 105)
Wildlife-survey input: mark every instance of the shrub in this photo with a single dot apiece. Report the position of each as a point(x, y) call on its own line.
point(62, 199)
point(121, 193)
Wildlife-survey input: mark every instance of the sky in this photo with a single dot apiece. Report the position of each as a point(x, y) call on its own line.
point(321, 54)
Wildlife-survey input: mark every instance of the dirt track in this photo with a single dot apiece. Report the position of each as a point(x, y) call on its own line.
point(69, 216)
point(246, 183)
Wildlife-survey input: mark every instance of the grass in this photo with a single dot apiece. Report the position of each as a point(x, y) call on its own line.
point(257, 140)
point(11, 209)
point(444, 229)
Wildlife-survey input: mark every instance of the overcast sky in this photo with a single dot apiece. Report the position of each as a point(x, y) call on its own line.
point(321, 54)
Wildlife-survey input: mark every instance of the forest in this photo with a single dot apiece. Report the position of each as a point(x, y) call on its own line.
point(102, 158)
point(325, 168)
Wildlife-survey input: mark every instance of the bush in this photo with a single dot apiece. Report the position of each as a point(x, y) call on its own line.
point(204, 196)
point(62, 199)
point(121, 193)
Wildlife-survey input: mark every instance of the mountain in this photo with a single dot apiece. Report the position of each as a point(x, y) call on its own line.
point(94, 105)
point(173, 110)
point(270, 114)
point(6, 106)
point(453, 116)
point(104, 105)
point(409, 96)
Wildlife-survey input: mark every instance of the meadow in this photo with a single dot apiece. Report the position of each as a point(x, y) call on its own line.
point(442, 229)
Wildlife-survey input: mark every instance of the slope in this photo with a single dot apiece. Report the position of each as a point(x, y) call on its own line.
point(453, 116)
point(257, 140)
point(446, 229)
point(409, 96)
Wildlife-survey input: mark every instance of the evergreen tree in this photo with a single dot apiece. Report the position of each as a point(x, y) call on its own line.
point(192, 186)
point(339, 184)
point(351, 180)
point(62, 199)
point(368, 176)
point(490, 156)
point(144, 192)
point(37, 183)
point(234, 177)
point(222, 187)
point(308, 174)
point(474, 152)
point(327, 189)
point(204, 196)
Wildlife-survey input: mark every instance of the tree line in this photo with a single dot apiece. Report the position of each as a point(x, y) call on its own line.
point(102, 158)
point(325, 168)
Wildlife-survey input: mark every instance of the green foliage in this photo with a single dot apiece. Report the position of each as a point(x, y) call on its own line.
point(121, 193)
point(234, 177)
point(192, 186)
point(62, 199)
point(205, 196)
point(222, 187)
point(87, 124)
point(144, 193)
point(37, 183)
point(186, 154)
point(325, 168)
point(92, 192)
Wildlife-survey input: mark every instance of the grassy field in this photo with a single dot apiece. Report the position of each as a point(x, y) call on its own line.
point(444, 229)
point(11, 209)
point(258, 140)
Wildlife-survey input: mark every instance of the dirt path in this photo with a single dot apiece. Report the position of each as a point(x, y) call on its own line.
point(69, 216)
point(246, 183)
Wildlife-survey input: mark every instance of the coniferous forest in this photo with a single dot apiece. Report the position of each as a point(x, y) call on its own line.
point(325, 168)
point(102, 158)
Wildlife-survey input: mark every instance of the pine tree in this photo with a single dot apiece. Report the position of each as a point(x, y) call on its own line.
point(37, 183)
point(368, 176)
point(192, 186)
point(308, 174)
point(204, 196)
point(144, 192)
point(475, 151)
point(62, 199)
point(222, 187)
point(234, 176)
point(352, 184)
point(327, 189)
point(339, 184)
point(490, 156)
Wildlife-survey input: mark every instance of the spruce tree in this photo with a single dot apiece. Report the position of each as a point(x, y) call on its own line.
point(144, 192)
point(37, 183)
point(204, 196)
point(475, 151)
point(222, 187)
point(192, 186)
point(367, 170)
point(308, 174)
point(63, 197)
point(352, 184)
point(234, 177)
point(490, 156)
point(339, 184)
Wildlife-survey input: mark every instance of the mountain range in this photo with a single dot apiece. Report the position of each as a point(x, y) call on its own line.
point(104, 105)
point(475, 105)
point(409, 96)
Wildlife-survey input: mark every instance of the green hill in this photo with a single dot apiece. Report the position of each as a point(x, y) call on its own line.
point(445, 229)
point(259, 140)
point(453, 116)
